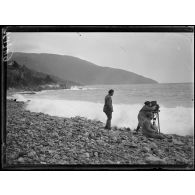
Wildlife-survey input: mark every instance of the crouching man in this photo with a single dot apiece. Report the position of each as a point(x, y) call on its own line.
point(108, 108)
point(147, 108)
point(149, 130)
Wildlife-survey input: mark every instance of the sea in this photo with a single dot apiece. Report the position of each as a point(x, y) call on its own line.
point(176, 101)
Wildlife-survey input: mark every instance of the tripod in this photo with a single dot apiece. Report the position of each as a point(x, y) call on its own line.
point(156, 115)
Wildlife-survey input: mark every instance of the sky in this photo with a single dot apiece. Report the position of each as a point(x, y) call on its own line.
point(164, 57)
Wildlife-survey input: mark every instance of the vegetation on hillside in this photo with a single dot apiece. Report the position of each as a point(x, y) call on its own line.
point(21, 77)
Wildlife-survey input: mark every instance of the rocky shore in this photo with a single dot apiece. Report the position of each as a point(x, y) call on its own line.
point(37, 138)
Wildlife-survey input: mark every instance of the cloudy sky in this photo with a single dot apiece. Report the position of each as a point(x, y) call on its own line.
point(165, 57)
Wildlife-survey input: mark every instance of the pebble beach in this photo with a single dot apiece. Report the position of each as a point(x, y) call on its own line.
point(37, 138)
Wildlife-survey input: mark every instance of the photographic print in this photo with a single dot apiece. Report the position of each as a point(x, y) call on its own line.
point(98, 97)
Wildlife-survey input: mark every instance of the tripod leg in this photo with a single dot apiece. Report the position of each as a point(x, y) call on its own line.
point(158, 122)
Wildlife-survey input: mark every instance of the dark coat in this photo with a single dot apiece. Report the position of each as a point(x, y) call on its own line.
point(143, 114)
point(108, 104)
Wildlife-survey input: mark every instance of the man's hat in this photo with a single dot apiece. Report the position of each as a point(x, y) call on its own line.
point(110, 91)
point(147, 102)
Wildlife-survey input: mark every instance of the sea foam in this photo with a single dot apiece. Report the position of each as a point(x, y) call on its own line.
point(177, 120)
point(18, 97)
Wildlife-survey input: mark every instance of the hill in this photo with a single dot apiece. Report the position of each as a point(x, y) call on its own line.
point(21, 77)
point(78, 70)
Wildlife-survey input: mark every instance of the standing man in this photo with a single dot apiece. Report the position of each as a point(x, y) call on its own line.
point(108, 108)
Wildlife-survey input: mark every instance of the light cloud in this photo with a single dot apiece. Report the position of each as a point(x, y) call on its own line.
point(165, 57)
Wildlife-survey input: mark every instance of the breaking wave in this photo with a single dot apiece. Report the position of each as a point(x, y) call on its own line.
point(81, 88)
point(177, 120)
point(18, 97)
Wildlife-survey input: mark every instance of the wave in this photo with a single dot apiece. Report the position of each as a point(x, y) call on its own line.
point(18, 97)
point(177, 120)
point(73, 88)
point(81, 88)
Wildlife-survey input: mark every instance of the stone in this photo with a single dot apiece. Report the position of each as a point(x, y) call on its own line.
point(177, 142)
point(21, 160)
point(44, 163)
point(145, 149)
point(51, 151)
point(135, 132)
point(100, 142)
point(87, 155)
point(144, 145)
point(14, 156)
point(133, 145)
point(114, 134)
point(110, 162)
point(181, 161)
point(154, 160)
point(134, 139)
point(155, 151)
point(61, 162)
point(96, 154)
point(55, 134)
point(56, 156)
point(153, 145)
point(31, 154)
point(42, 158)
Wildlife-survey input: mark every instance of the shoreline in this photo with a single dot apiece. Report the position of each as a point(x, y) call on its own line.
point(37, 138)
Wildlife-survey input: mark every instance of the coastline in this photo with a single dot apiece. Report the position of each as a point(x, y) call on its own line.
point(37, 138)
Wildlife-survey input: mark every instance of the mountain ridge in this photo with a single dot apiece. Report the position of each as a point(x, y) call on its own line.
point(78, 70)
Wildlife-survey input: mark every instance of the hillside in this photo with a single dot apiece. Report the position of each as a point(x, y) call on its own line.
point(77, 70)
point(21, 77)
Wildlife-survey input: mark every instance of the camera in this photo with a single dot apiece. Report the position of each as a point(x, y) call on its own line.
point(154, 103)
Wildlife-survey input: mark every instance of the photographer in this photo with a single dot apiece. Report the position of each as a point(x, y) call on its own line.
point(147, 108)
point(149, 130)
